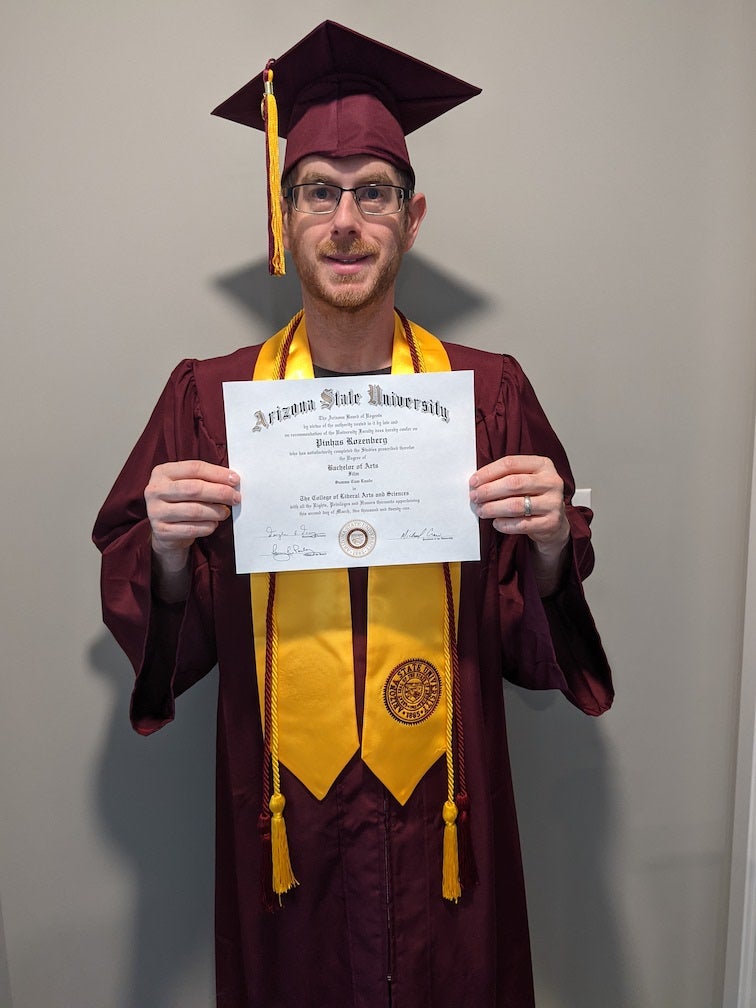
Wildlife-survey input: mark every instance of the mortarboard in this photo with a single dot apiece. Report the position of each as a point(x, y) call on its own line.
point(338, 94)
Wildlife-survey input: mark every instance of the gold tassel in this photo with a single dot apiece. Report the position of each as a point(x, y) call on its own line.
point(276, 259)
point(450, 887)
point(283, 875)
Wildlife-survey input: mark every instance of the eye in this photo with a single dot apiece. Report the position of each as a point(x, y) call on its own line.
point(317, 197)
point(377, 194)
point(379, 198)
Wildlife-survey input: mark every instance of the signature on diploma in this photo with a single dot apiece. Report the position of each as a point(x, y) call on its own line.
point(424, 534)
point(284, 554)
point(301, 532)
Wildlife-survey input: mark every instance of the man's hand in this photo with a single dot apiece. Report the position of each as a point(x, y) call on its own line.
point(523, 494)
point(185, 501)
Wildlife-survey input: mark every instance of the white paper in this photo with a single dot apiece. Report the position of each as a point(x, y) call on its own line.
point(352, 472)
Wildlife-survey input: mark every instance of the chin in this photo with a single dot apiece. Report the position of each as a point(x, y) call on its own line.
point(348, 294)
point(349, 297)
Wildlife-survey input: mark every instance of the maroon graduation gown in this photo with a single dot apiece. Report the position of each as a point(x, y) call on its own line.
point(369, 906)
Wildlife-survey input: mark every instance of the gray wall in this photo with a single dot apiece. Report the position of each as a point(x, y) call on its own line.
point(591, 213)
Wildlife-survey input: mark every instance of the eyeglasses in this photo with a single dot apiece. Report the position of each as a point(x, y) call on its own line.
point(321, 198)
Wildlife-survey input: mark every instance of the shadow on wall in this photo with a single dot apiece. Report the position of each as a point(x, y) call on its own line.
point(155, 802)
point(434, 299)
point(562, 774)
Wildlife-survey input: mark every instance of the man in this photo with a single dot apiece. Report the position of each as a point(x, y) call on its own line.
point(395, 882)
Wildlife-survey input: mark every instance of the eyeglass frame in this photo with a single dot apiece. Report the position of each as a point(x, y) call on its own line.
point(405, 194)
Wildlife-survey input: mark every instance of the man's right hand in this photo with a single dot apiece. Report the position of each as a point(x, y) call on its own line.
point(185, 501)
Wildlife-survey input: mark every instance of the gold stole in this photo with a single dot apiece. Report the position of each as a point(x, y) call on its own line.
point(303, 640)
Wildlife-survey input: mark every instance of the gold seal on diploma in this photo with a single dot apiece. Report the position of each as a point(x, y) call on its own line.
point(412, 691)
point(357, 538)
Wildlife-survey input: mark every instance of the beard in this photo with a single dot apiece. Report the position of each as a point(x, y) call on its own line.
point(350, 292)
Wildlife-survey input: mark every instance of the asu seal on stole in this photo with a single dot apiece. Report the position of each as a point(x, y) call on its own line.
point(412, 691)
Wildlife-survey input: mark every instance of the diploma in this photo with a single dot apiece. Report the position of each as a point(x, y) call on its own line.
point(352, 471)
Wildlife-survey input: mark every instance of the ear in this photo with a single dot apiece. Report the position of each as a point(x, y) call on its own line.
point(285, 223)
point(416, 210)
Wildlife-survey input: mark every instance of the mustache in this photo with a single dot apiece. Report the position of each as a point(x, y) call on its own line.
point(355, 248)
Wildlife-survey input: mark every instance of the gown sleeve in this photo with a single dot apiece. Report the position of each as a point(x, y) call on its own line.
point(549, 643)
point(171, 646)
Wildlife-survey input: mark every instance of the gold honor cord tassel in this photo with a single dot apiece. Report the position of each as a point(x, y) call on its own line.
point(276, 259)
point(450, 886)
point(283, 875)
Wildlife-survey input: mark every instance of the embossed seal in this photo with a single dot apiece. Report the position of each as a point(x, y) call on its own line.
point(357, 538)
point(412, 691)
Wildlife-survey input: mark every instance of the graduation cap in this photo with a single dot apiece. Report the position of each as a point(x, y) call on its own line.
point(337, 94)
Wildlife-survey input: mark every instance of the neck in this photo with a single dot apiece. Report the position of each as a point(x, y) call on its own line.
point(350, 341)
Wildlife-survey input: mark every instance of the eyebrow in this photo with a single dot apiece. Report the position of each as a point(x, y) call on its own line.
point(376, 178)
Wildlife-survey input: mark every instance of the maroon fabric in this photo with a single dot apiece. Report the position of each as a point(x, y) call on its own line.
point(369, 904)
point(340, 93)
point(338, 120)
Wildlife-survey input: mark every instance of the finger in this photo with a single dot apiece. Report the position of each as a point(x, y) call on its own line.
point(197, 469)
point(182, 533)
point(179, 481)
point(518, 486)
point(197, 490)
point(508, 465)
point(189, 512)
point(546, 530)
point(524, 508)
point(185, 521)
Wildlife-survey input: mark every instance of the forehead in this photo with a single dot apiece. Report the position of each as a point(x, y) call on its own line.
point(345, 171)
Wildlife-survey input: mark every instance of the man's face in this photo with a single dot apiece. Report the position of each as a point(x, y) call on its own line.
point(344, 259)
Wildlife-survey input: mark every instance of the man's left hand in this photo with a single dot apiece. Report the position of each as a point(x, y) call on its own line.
point(524, 495)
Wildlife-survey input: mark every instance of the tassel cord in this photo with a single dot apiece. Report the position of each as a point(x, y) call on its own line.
point(276, 263)
point(451, 888)
point(418, 364)
point(283, 874)
point(468, 871)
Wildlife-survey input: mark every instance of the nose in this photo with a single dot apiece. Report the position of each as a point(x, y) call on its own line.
point(346, 217)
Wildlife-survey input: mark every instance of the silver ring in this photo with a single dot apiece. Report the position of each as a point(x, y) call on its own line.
point(527, 507)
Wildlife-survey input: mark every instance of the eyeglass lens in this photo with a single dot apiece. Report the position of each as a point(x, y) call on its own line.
point(318, 197)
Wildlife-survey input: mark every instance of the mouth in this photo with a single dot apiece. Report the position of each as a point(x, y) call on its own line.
point(347, 265)
point(350, 259)
point(347, 260)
